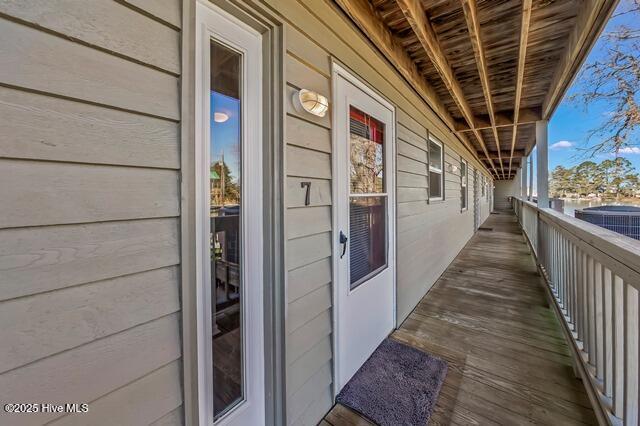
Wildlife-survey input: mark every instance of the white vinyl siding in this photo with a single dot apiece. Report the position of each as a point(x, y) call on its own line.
point(309, 288)
point(422, 228)
point(89, 224)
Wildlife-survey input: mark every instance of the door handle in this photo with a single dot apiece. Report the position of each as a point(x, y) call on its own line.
point(343, 241)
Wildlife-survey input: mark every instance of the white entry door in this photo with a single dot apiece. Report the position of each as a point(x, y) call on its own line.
point(229, 219)
point(364, 143)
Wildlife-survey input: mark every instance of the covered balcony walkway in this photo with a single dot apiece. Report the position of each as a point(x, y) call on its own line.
point(489, 317)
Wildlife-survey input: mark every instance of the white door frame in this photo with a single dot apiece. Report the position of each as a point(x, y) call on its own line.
point(213, 22)
point(339, 71)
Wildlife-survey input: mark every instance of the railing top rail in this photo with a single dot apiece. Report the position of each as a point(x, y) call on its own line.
point(527, 202)
point(611, 244)
point(610, 212)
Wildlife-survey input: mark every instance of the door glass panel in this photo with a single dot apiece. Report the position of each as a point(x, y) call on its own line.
point(367, 227)
point(226, 234)
point(368, 202)
point(366, 152)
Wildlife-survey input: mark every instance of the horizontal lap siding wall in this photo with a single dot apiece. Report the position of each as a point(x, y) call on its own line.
point(506, 189)
point(485, 201)
point(428, 235)
point(89, 238)
point(308, 228)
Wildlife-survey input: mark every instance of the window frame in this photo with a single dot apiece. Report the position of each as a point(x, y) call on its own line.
point(488, 184)
point(219, 25)
point(438, 171)
point(384, 194)
point(464, 183)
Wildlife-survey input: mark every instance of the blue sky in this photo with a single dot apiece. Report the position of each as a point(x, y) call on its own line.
point(570, 124)
point(225, 137)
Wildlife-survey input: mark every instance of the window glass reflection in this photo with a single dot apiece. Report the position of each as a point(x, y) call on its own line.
point(226, 236)
point(367, 213)
point(366, 151)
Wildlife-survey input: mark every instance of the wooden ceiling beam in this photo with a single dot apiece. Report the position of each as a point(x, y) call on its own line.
point(470, 9)
point(415, 15)
point(363, 14)
point(503, 119)
point(365, 17)
point(505, 161)
point(522, 55)
point(505, 154)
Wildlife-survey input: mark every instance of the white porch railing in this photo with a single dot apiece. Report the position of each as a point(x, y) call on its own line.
point(593, 276)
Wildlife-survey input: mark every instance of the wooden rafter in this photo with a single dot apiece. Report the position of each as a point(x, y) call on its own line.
point(470, 9)
point(415, 15)
point(363, 14)
point(505, 161)
point(522, 55)
point(505, 154)
point(502, 119)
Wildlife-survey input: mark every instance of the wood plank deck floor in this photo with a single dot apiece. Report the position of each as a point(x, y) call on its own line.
point(489, 318)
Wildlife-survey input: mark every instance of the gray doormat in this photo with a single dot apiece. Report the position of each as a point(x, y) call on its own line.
point(397, 385)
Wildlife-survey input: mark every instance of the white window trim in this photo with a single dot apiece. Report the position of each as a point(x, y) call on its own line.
point(464, 183)
point(488, 184)
point(440, 170)
point(214, 23)
point(484, 189)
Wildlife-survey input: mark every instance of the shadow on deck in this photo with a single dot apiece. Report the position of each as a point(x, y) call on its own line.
point(488, 316)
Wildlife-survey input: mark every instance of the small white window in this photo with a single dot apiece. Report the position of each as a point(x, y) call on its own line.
point(436, 170)
point(464, 183)
point(488, 184)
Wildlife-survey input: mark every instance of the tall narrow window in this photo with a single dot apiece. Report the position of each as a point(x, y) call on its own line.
point(464, 183)
point(483, 185)
point(367, 198)
point(436, 162)
point(226, 235)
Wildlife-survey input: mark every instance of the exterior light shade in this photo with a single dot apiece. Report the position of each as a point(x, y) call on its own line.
point(220, 117)
point(311, 102)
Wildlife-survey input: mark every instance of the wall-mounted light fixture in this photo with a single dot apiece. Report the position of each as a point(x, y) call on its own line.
point(220, 117)
point(453, 168)
point(309, 101)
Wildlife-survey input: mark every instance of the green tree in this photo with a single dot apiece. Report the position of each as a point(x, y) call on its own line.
point(561, 181)
point(615, 175)
point(586, 178)
point(227, 182)
point(631, 185)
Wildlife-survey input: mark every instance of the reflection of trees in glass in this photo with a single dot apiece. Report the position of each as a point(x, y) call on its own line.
point(366, 165)
point(225, 188)
point(613, 178)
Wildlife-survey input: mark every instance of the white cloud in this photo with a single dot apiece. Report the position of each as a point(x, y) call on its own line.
point(561, 145)
point(630, 150)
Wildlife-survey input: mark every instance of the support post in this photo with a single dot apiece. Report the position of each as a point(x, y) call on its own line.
point(543, 163)
point(523, 176)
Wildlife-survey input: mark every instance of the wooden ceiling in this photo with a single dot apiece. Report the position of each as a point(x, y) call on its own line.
point(489, 68)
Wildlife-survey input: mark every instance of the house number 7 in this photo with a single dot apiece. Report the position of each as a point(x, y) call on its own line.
point(307, 196)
